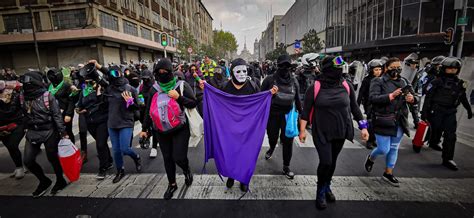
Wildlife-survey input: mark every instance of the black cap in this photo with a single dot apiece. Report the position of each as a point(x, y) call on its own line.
point(284, 59)
point(146, 74)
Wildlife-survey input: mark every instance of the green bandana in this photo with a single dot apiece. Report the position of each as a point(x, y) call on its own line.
point(87, 90)
point(166, 87)
point(53, 89)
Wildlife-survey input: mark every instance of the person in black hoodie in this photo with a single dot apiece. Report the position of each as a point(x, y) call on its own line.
point(287, 96)
point(61, 90)
point(12, 128)
point(93, 105)
point(122, 99)
point(77, 84)
point(332, 123)
point(375, 70)
point(148, 80)
point(173, 143)
point(44, 125)
point(193, 76)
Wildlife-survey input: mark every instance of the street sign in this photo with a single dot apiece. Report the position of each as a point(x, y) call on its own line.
point(462, 21)
point(190, 50)
point(448, 36)
point(297, 44)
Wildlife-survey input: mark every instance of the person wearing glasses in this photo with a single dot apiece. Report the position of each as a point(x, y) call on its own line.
point(390, 96)
point(122, 98)
point(329, 107)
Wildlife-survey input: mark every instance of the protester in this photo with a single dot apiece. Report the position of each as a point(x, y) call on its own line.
point(173, 134)
point(390, 95)
point(282, 102)
point(12, 128)
point(78, 83)
point(193, 76)
point(44, 124)
point(446, 93)
point(332, 122)
point(122, 99)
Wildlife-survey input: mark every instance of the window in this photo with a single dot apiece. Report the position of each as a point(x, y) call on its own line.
point(17, 23)
point(141, 10)
point(431, 17)
point(69, 19)
point(380, 21)
point(410, 14)
point(388, 19)
point(108, 21)
point(130, 28)
point(157, 36)
point(146, 33)
point(156, 18)
point(126, 4)
point(396, 18)
point(449, 15)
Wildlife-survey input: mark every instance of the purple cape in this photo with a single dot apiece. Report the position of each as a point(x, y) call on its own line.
point(234, 127)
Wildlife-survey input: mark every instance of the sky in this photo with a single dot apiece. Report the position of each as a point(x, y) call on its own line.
point(245, 18)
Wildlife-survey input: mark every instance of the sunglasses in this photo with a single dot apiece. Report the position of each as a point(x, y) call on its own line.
point(114, 73)
point(338, 61)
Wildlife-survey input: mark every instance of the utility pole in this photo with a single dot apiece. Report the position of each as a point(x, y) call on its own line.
point(33, 25)
point(463, 29)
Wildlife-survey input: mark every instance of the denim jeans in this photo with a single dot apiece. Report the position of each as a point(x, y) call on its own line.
point(388, 146)
point(120, 139)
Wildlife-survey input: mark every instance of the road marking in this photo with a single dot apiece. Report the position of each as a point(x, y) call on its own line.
point(263, 187)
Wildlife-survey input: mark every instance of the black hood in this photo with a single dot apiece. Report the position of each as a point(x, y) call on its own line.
point(55, 76)
point(33, 85)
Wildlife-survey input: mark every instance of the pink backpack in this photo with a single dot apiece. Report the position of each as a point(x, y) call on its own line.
point(317, 87)
point(165, 112)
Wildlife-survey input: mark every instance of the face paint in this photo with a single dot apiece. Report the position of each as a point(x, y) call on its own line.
point(240, 73)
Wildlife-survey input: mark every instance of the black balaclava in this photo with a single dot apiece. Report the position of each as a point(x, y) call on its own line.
point(165, 64)
point(33, 86)
point(235, 63)
point(148, 80)
point(118, 82)
point(283, 75)
point(55, 76)
point(133, 79)
point(329, 72)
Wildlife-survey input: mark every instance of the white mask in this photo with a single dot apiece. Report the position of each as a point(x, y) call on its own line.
point(240, 73)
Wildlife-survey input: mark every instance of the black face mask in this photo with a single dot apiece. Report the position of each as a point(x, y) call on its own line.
point(394, 73)
point(283, 72)
point(164, 77)
point(55, 78)
point(134, 82)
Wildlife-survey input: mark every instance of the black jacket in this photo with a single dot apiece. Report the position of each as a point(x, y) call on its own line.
point(11, 112)
point(66, 102)
point(39, 118)
point(97, 107)
point(380, 89)
point(364, 93)
point(187, 100)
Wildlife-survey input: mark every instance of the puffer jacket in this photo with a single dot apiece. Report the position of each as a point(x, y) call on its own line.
point(39, 118)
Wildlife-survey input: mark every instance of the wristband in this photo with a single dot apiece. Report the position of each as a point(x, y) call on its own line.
point(130, 102)
point(363, 124)
point(197, 78)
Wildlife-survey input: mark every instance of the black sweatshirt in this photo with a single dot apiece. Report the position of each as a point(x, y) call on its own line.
point(11, 112)
point(247, 89)
point(268, 84)
point(66, 102)
point(187, 100)
point(332, 115)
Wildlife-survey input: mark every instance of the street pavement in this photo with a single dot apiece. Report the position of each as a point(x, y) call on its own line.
point(427, 189)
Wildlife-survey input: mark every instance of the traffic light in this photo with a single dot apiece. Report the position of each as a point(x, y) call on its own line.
point(164, 39)
point(448, 36)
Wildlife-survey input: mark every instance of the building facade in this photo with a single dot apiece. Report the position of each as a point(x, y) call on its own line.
point(371, 28)
point(69, 32)
point(303, 16)
point(270, 36)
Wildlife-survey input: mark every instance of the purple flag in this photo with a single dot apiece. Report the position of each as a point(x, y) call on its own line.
point(234, 127)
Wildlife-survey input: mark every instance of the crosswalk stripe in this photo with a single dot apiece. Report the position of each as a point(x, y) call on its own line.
point(262, 187)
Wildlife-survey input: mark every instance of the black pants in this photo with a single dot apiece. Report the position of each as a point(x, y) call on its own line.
point(51, 148)
point(83, 131)
point(100, 133)
point(444, 123)
point(370, 129)
point(12, 143)
point(150, 132)
point(328, 154)
point(69, 129)
point(174, 147)
point(414, 113)
point(276, 128)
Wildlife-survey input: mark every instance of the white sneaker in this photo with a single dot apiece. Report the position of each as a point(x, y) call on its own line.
point(19, 173)
point(153, 153)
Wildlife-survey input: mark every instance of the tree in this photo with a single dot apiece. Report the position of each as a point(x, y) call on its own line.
point(223, 43)
point(187, 40)
point(312, 43)
point(273, 55)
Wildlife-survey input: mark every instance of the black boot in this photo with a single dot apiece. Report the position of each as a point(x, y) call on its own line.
point(321, 203)
point(243, 187)
point(369, 145)
point(269, 153)
point(450, 164)
point(188, 177)
point(138, 163)
point(120, 174)
point(169, 192)
point(368, 164)
point(58, 186)
point(42, 188)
